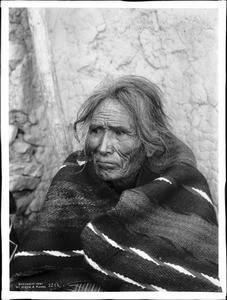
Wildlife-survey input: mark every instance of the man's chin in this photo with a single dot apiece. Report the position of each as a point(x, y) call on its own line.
point(107, 175)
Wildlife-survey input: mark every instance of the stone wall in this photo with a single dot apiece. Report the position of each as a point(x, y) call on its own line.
point(175, 48)
point(32, 164)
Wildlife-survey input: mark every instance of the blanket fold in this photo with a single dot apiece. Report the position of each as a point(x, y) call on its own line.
point(161, 235)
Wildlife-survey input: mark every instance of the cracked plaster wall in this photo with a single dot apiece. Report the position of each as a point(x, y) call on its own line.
point(175, 48)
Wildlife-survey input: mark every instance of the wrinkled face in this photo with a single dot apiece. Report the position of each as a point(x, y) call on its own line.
point(112, 139)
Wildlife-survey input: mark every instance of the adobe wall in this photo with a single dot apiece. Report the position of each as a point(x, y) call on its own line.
point(176, 49)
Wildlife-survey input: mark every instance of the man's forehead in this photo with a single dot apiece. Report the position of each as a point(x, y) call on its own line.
point(112, 112)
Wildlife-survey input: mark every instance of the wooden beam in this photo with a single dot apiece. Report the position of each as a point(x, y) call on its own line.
point(48, 80)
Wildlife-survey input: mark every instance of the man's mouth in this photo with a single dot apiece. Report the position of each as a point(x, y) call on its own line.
point(105, 164)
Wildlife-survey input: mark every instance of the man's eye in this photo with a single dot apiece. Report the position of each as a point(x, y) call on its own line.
point(95, 130)
point(120, 132)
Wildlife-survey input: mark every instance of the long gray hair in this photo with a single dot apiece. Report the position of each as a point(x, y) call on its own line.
point(142, 99)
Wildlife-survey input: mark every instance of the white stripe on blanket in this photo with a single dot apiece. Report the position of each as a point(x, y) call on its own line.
point(163, 179)
point(139, 252)
point(81, 252)
point(138, 284)
point(158, 288)
point(56, 253)
point(92, 228)
point(203, 194)
point(94, 264)
point(143, 255)
point(116, 245)
point(62, 167)
point(213, 280)
point(49, 252)
point(24, 253)
point(80, 162)
point(179, 269)
point(126, 279)
point(111, 242)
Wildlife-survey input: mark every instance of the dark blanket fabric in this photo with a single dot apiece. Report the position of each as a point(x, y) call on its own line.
point(161, 235)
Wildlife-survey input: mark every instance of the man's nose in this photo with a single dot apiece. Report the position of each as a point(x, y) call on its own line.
point(106, 144)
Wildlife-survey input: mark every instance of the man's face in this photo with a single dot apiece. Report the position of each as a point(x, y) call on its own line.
point(112, 139)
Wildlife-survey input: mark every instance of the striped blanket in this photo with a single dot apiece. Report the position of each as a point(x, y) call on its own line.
point(161, 235)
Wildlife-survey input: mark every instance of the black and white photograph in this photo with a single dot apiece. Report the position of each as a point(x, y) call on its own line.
point(113, 150)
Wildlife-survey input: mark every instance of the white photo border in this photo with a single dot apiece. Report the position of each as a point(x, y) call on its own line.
point(5, 6)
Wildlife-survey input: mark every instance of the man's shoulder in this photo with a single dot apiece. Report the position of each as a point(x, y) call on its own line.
point(73, 168)
point(77, 168)
point(77, 158)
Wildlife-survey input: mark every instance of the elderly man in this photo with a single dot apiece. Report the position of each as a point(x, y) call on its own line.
point(128, 212)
